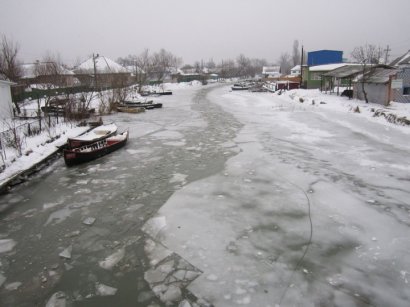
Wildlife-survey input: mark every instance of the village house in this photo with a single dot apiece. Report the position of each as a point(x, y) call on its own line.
point(102, 72)
point(402, 83)
point(295, 71)
point(6, 104)
point(312, 76)
point(271, 73)
point(378, 85)
point(47, 73)
point(318, 63)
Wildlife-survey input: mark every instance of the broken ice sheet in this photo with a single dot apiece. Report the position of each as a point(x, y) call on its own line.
point(57, 300)
point(6, 245)
point(109, 262)
point(89, 221)
point(104, 290)
point(66, 253)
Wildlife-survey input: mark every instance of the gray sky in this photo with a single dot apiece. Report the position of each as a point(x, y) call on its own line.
point(195, 30)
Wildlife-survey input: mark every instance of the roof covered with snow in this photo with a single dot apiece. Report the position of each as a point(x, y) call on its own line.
point(297, 67)
point(270, 69)
point(32, 70)
point(103, 65)
point(326, 67)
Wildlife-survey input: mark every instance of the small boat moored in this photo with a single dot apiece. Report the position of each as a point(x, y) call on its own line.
point(97, 134)
point(95, 150)
point(240, 87)
point(130, 109)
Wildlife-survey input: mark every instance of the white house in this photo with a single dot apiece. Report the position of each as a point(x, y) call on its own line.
point(295, 71)
point(6, 104)
point(271, 71)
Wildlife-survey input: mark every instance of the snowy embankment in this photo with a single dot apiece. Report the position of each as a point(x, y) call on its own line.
point(396, 113)
point(36, 149)
point(312, 210)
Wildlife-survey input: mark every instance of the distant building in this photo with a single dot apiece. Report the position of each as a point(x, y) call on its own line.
point(102, 72)
point(295, 71)
point(47, 72)
point(6, 104)
point(322, 57)
point(271, 72)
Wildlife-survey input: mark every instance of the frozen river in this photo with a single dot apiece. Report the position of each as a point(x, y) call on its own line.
point(219, 198)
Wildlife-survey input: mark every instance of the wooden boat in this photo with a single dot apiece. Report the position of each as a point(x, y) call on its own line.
point(95, 150)
point(146, 105)
point(155, 93)
point(240, 87)
point(130, 109)
point(97, 134)
point(165, 93)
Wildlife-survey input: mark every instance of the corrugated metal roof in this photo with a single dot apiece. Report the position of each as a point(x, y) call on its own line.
point(349, 70)
point(402, 60)
point(380, 75)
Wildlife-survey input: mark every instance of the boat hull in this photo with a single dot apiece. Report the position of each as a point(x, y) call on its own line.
point(83, 140)
point(96, 150)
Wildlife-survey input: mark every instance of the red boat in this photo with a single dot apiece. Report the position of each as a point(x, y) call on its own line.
point(95, 150)
point(97, 134)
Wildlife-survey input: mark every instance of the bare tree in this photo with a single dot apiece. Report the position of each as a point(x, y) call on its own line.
point(257, 66)
point(244, 66)
point(295, 53)
point(368, 56)
point(9, 64)
point(48, 74)
point(285, 63)
point(143, 67)
point(163, 62)
point(227, 69)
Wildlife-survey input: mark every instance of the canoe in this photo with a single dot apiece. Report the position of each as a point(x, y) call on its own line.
point(97, 134)
point(95, 150)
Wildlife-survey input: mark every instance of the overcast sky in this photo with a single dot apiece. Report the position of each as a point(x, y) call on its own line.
point(195, 30)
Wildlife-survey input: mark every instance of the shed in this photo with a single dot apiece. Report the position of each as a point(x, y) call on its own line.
point(6, 104)
point(378, 85)
point(343, 76)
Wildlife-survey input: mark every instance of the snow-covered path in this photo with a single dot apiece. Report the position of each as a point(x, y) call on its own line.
point(302, 171)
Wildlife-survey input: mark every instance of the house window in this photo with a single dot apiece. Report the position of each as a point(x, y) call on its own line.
point(406, 90)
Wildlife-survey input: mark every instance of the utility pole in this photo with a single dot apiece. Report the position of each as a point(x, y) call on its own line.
point(95, 70)
point(387, 50)
point(301, 69)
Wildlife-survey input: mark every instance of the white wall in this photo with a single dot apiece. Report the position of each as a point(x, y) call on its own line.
point(6, 107)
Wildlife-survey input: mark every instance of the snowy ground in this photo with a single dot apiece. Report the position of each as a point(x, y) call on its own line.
point(312, 211)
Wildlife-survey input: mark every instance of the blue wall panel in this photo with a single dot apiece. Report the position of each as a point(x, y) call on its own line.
point(322, 57)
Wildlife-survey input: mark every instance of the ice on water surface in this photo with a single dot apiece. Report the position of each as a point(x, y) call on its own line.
point(7, 245)
point(112, 260)
point(248, 227)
